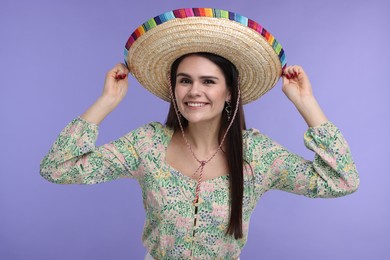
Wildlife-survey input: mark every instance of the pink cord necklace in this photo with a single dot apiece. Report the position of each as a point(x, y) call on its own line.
point(203, 163)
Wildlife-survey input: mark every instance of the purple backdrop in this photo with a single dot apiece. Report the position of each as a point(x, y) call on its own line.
point(53, 59)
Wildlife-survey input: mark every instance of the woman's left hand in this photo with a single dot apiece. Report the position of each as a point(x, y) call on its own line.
point(297, 87)
point(296, 84)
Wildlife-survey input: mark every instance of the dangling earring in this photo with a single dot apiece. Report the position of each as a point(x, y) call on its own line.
point(228, 109)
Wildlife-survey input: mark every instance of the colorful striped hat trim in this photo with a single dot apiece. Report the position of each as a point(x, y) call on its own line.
point(207, 12)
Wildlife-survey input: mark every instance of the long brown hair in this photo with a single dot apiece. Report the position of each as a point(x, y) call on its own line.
point(233, 141)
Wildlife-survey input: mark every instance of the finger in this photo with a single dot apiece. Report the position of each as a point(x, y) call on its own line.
point(284, 75)
point(288, 72)
point(297, 70)
point(285, 72)
point(122, 68)
point(293, 71)
point(120, 76)
point(121, 71)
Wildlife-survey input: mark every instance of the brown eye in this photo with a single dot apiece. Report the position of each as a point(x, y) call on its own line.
point(185, 81)
point(208, 82)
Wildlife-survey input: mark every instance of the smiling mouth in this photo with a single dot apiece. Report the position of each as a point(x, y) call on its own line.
point(195, 104)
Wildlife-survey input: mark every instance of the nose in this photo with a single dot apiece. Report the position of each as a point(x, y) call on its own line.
point(195, 89)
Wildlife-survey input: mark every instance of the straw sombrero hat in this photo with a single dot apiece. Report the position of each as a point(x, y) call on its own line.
point(155, 45)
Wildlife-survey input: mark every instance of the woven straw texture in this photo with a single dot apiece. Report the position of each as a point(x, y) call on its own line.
point(150, 56)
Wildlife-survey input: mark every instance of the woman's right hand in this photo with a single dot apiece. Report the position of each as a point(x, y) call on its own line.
point(116, 84)
point(115, 89)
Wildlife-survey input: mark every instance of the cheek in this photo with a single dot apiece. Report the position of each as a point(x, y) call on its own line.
point(178, 93)
point(223, 96)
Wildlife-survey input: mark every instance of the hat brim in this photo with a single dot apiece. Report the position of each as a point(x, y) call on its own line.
point(151, 55)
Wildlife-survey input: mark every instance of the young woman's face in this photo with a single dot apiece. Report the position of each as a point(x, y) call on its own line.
point(201, 90)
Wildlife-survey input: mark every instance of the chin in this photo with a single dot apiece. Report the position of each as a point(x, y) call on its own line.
point(196, 120)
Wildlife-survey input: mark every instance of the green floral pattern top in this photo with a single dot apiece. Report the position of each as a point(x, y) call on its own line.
point(168, 194)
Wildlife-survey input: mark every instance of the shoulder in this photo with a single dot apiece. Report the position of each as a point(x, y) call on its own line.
point(153, 132)
point(256, 144)
point(254, 135)
point(152, 128)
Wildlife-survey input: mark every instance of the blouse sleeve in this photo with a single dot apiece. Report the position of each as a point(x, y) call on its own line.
point(332, 173)
point(74, 158)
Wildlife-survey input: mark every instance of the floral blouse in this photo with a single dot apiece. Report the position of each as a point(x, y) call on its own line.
point(168, 194)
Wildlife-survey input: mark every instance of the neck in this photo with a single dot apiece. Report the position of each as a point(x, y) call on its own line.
point(203, 137)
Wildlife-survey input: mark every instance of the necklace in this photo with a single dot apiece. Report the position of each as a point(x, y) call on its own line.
point(202, 163)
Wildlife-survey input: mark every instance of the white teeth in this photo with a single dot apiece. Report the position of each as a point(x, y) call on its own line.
point(195, 104)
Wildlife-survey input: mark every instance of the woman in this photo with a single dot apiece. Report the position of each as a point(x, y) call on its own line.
point(202, 173)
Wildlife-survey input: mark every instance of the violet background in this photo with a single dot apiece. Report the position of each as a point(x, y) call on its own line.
point(53, 59)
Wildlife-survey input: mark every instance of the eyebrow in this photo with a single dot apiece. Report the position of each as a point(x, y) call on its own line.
point(202, 77)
